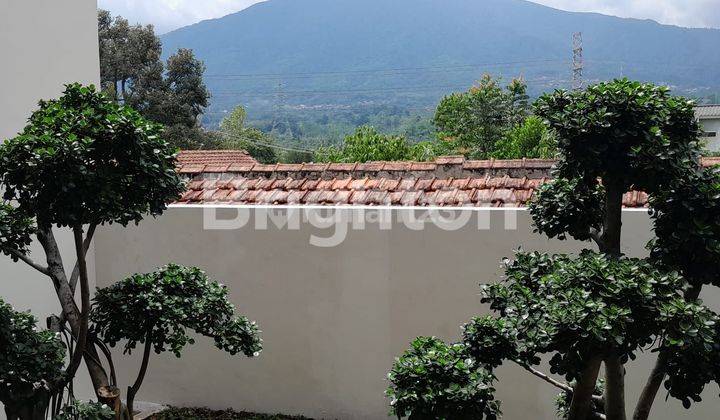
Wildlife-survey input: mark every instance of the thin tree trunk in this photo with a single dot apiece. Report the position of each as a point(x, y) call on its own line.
point(612, 224)
point(657, 375)
point(581, 405)
point(67, 302)
point(132, 390)
point(614, 388)
point(82, 333)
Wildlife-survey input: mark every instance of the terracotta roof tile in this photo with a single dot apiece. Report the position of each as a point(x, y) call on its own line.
point(210, 157)
point(449, 181)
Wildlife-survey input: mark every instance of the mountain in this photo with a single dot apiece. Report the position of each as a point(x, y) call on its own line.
point(283, 55)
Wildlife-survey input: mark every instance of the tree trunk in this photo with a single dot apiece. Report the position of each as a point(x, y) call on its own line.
point(614, 388)
point(655, 380)
point(581, 405)
point(67, 302)
point(612, 224)
point(132, 390)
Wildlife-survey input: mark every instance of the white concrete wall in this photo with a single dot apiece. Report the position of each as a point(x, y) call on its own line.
point(713, 143)
point(44, 44)
point(334, 318)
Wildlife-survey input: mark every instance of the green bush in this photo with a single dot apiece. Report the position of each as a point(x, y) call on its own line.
point(434, 380)
point(31, 361)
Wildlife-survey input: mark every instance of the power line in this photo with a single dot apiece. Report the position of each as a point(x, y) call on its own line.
point(390, 70)
point(260, 143)
point(367, 90)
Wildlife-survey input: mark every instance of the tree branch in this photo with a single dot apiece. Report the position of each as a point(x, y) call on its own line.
point(86, 245)
point(27, 260)
point(560, 385)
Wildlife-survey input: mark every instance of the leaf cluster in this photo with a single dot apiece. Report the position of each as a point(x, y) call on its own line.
point(435, 380)
point(578, 307)
point(31, 361)
point(16, 230)
point(636, 133)
point(571, 207)
point(164, 305)
point(84, 159)
point(79, 410)
point(687, 226)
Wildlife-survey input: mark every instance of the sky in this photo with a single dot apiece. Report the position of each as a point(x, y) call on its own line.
point(167, 15)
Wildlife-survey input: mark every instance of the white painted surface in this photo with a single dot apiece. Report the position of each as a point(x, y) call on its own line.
point(333, 319)
point(712, 125)
point(44, 44)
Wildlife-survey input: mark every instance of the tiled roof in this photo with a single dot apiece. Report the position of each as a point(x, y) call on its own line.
point(707, 111)
point(449, 181)
point(199, 160)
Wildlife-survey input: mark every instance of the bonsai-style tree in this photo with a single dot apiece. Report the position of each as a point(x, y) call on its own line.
point(82, 161)
point(157, 310)
point(599, 308)
point(31, 365)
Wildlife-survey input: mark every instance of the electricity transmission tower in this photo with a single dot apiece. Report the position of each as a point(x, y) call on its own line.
point(279, 116)
point(578, 62)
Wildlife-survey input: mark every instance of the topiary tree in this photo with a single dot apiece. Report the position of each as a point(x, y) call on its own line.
point(157, 310)
point(31, 365)
point(599, 308)
point(437, 381)
point(82, 161)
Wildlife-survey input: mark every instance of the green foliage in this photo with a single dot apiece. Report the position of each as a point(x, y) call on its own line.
point(488, 343)
point(577, 307)
point(191, 138)
point(79, 410)
point(530, 139)
point(367, 145)
point(31, 361)
point(624, 132)
point(16, 230)
point(568, 207)
point(236, 135)
point(687, 226)
point(184, 413)
point(434, 380)
point(164, 304)
point(473, 122)
point(692, 341)
point(132, 73)
point(84, 148)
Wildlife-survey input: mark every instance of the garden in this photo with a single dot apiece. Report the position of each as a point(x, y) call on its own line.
point(84, 162)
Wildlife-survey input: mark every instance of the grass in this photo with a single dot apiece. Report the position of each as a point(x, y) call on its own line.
point(176, 413)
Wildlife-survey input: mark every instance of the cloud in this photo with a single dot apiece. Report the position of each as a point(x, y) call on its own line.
point(167, 15)
point(690, 13)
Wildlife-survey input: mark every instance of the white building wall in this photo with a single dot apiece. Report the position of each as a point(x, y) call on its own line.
point(334, 318)
point(44, 44)
point(712, 125)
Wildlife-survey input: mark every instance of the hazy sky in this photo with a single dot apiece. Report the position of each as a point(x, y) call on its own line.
point(170, 14)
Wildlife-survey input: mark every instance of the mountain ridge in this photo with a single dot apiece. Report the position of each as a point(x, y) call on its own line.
point(278, 53)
